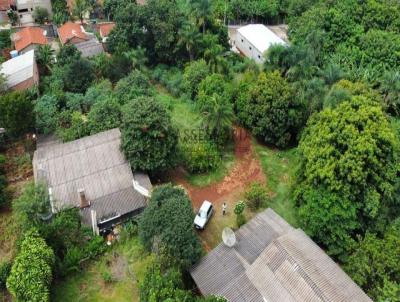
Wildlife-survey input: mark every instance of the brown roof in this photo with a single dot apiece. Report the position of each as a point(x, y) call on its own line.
point(105, 28)
point(71, 30)
point(28, 36)
point(5, 4)
point(274, 262)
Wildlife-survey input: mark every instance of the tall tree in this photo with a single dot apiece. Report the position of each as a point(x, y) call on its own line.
point(81, 8)
point(149, 140)
point(349, 165)
point(189, 36)
point(166, 226)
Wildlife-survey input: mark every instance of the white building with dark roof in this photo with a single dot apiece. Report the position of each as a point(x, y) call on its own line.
point(92, 174)
point(273, 262)
point(254, 40)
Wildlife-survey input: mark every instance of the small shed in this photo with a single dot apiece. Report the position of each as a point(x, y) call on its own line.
point(254, 40)
point(92, 174)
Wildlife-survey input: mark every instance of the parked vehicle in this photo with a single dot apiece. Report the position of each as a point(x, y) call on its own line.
point(204, 215)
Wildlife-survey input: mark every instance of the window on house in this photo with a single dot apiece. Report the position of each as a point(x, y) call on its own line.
point(259, 56)
point(242, 40)
point(250, 48)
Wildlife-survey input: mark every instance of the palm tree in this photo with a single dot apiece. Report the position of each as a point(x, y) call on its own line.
point(218, 118)
point(45, 56)
point(189, 36)
point(202, 11)
point(390, 88)
point(332, 73)
point(81, 7)
point(137, 57)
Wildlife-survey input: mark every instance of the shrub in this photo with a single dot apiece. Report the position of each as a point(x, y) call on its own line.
point(133, 86)
point(256, 196)
point(159, 285)
point(239, 208)
point(194, 73)
point(5, 269)
point(31, 273)
point(171, 78)
point(107, 276)
point(200, 157)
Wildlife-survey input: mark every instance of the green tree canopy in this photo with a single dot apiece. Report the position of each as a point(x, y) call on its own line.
point(167, 225)
point(270, 110)
point(104, 115)
point(149, 140)
point(31, 273)
point(349, 163)
point(375, 267)
point(16, 113)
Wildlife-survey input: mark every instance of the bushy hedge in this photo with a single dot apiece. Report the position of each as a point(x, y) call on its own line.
point(200, 157)
point(31, 273)
point(170, 77)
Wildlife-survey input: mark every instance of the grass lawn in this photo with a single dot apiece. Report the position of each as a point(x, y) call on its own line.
point(126, 262)
point(279, 168)
point(186, 118)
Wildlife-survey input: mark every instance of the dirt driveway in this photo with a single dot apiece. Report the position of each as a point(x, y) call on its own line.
point(247, 169)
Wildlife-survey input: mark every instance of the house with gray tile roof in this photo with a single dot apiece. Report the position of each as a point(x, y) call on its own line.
point(273, 262)
point(92, 174)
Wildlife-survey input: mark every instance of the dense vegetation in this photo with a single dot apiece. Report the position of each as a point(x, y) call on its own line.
point(334, 92)
point(31, 273)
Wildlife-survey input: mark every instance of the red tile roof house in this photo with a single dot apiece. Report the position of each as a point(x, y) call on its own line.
point(72, 33)
point(104, 30)
point(29, 38)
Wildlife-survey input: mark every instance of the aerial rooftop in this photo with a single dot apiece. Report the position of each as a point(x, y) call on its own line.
point(274, 262)
point(260, 36)
point(93, 165)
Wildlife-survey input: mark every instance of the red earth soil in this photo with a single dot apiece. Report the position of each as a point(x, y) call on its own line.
point(247, 169)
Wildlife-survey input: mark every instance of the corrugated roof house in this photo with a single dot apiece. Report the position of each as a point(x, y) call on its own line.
point(21, 72)
point(254, 40)
point(91, 173)
point(273, 262)
point(90, 48)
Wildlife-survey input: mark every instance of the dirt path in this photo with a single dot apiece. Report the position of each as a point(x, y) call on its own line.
point(246, 170)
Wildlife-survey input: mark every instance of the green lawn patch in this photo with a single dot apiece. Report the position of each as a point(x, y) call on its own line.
point(279, 168)
point(126, 262)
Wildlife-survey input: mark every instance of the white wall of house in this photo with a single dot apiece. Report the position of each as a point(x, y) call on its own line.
point(26, 8)
point(248, 49)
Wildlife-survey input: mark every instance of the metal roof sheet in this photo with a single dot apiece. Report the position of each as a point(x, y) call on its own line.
point(274, 262)
point(260, 36)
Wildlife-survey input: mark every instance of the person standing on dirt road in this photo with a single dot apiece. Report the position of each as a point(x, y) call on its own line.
point(224, 208)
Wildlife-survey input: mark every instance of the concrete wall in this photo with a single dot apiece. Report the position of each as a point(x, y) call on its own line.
point(248, 49)
point(26, 8)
